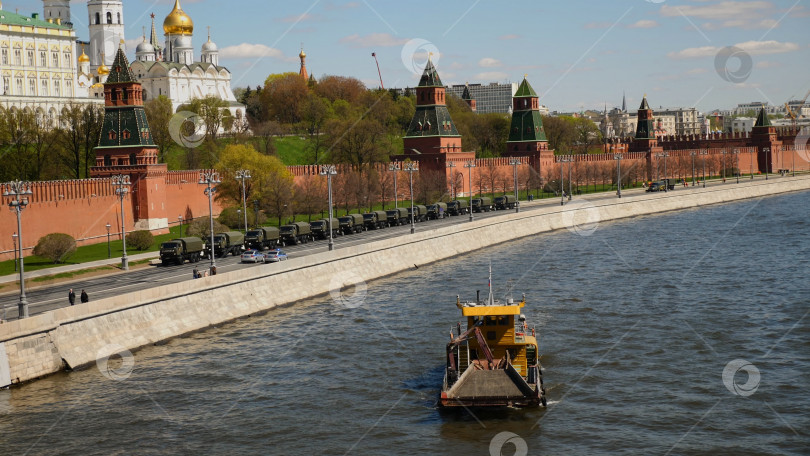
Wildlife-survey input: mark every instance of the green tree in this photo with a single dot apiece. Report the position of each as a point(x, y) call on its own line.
point(212, 111)
point(158, 113)
point(57, 247)
point(282, 98)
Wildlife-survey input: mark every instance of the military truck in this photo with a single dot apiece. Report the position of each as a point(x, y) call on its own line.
point(458, 207)
point(505, 202)
point(352, 223)
point(320, 228)
point(419, 213)
point(181, 250)
point(483, 204)
point(296, 233)
point(375, 220)
point(397, 216)
point(265, 236)
point(225, 243)
point(436, 211)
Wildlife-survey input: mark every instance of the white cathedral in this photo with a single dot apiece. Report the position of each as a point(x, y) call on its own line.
point(170, 70)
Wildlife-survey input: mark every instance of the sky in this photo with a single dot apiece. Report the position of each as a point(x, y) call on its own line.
point(577, 54)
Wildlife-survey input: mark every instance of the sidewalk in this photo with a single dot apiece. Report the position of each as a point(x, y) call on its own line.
point(76, 267)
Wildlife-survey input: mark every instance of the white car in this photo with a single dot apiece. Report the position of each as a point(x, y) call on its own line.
point(252, 256)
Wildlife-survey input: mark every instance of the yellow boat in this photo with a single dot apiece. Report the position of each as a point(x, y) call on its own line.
point(495, 362)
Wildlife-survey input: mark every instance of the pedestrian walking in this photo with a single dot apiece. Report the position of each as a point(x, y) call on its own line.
point(71, 297)
point(85, 298)
point(195, 274)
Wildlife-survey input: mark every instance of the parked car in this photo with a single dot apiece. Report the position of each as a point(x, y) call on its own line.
point(275, 255)
point(252, 256)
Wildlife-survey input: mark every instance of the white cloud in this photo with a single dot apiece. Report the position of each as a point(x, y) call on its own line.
point(491, 76)
point(751, 47)
point(768, 64)
point(372, 40)
point(249, 50)
point(644, 24)
point(297, 18)
point(488, 62)
point(133, 43)
point(727, 14)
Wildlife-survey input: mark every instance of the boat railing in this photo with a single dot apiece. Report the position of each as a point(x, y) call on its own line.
point(521, 331)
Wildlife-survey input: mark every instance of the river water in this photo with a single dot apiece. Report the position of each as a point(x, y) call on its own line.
point(683, 333)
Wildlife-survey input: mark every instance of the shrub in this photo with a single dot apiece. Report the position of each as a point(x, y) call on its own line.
point(200, 227)
point(140, 240)
point(230, 217)
point(57, 247)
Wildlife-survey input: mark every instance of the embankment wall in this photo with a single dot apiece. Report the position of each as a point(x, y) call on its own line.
point(79, 335)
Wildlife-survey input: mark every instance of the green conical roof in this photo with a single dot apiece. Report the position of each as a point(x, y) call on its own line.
point(466, 95)
point(762, 119)
point(644, 104)
point(525, 90)
point(430, 77)
point(120, 72)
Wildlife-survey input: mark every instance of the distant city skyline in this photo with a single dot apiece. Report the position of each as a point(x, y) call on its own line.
point(578, 55)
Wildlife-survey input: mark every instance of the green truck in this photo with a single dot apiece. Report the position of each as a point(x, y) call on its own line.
point(397, 216)
point(181, 250)
point(352, 223)
point(436, 211)
point(375, 220)
point(225, 243)
point(265, 236)
point(505, 202)
point(320, 228)
point(458, 207)
point(296, 233)
point(419, 213)
point(483, 204)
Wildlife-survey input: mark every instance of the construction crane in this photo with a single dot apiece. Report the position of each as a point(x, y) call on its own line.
point(794, 115)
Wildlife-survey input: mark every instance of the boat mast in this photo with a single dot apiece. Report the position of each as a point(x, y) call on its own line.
point(491, 299)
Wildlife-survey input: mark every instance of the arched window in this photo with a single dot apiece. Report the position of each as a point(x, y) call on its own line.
point(98, 18)
point(119, 18)
point(109, 18)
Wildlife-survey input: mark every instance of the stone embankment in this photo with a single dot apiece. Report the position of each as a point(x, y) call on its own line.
point(77, 336)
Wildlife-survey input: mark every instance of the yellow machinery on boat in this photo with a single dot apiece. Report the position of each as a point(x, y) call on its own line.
point(495, 362)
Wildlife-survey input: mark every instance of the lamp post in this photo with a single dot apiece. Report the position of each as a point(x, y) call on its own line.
point(14, 241)
point(693, 153)
point(121, 183)
point(209, 178)
point(470, 165)
point(704, 152)
point(751, 156)
point(451, 165)
point(723, 171)
point(565, 159)
point(767, 151)
point(793, 166)
point(394, 167)
point(663, 155)
point(618, 158)
point(736, 153)
point(239, 216)
point(329, 171)
point(412, 167)
point(109, 249)
point(19, 189)
point(514, 162)
point(242, 175)
point(256, 213)
point(180, 222)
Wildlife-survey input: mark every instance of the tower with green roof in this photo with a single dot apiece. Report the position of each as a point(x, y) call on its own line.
point(527, 137)
point(764, 137)
point(645, 140)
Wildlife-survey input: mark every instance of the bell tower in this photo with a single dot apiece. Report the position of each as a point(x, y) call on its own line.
point(527, 137)
point(58, 11)
point(106, 19)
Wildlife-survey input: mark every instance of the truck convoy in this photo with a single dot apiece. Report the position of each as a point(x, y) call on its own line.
point(419, 213)
point(483, 204)
point(458, 207)
point(505, 202)
point(397, 216)
point(352, 223)
point(437, 211)
point(181, 250)
point(262, 237)
point(296, 233)
point(225, 243)
point(320, 228)
point(375, 220)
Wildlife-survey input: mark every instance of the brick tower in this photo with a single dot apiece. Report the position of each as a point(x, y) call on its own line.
point(763, 136)
point(126, 146)
point(467, 97)
point(527, 138)
point(645, 140)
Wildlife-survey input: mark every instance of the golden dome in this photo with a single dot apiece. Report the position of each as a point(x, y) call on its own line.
point(102, 70)
point(302, 54)
point(178, 22)
point(83, 58)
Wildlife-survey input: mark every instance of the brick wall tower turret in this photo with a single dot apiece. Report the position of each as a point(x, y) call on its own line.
point(526, 134)
point(645, 140)
point(764, 138)
point(126, 146)
point(467, 97)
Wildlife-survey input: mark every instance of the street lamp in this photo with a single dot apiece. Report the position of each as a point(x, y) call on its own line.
point(470, 165)
point(180, 222)
point(693, 153)
point(109, 249)
point(452, 165)
point(19, 189)
point(514, 162)
point(242, 175)
point(329, 171)
point(704, 152)
point(239, 216)
point(751, 156)
point(121, 183)
point(736, 153)
point(14, 241)
point(618, 158)
point(565, 159)
point(724, 152)
point(412, 167)
point(767, 151)
point(209, 178)
point(394, 167)
point(663, 155)
point(256, 213)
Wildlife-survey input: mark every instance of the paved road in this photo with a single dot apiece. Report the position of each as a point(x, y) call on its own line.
point(51, 297)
